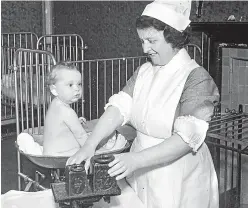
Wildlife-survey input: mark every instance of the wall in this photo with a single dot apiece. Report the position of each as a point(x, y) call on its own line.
point(107, 27)
point(219, 11)
point(21, 16)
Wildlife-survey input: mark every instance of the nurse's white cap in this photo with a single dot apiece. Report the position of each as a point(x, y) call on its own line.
point(174, 13)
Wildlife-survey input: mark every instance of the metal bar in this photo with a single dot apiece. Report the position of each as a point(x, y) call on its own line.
point(37, 86)
point(82, 77)
point(202, 48)
point(17, 116)
point(70, 44)
point(227, 117)
point(126, 68)
point(26, 88)
point(61, 50)
point(112, 77)
point(31, 89)
point(225, 175)
point(109, 59)
point(26, 178)
point(58, 49)
point(119, 70)
point(105, 82)
point(223, 138)
point(225, 147)
point(97, 90)
point(90, 96)
point(64, 49)
point(239, 160)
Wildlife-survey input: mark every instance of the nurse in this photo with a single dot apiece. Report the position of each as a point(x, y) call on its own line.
point(168, 101)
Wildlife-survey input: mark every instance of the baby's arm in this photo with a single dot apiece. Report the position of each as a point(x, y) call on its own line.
point(72, 121)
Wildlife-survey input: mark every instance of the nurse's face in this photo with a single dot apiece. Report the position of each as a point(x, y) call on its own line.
point(155, 46)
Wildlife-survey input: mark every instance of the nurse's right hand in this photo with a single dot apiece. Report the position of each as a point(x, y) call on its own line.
point(84, 154)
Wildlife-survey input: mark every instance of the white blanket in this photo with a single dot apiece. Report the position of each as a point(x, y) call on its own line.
point(21, 199)
point(44, 199)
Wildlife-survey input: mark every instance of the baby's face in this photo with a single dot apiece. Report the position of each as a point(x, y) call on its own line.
point(69, 86)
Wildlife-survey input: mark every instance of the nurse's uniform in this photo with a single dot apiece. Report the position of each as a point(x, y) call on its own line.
point(152, 105)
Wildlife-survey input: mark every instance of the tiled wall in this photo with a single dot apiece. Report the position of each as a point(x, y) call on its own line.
point(234, 78)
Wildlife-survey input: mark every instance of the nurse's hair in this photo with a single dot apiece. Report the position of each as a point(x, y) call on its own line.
point(175, 38)
point(52, 76)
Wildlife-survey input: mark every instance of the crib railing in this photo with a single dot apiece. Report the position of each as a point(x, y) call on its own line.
point(7, 104)
point(103, 78)
point(19, 40)
point(195, 52)
point(32, 96)
point(63, 46)
point(10, 42)
point(227, 139)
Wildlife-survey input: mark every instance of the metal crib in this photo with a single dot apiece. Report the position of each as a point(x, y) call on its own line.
point(63, 46)
point(10, 42)
point(103, 78)
point(31, 99)
point(227, 139)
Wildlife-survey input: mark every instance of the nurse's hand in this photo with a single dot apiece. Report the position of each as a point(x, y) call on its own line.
point(124, 164)
point(84, 154)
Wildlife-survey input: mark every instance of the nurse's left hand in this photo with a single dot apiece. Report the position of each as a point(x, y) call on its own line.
point(124, 164)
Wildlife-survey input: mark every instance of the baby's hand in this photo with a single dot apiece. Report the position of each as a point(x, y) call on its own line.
point(82, 120)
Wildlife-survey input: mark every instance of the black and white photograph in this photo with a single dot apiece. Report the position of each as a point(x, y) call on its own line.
point(124, 104)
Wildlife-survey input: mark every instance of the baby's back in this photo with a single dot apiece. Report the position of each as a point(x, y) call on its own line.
point(58, 138)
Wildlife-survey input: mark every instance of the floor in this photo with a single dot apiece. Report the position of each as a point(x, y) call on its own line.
point(9, 179)
point(8, 164)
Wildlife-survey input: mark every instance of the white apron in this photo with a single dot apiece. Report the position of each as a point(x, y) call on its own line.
point(191, 181)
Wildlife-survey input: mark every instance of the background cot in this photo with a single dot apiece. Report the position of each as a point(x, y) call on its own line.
point(63, 46)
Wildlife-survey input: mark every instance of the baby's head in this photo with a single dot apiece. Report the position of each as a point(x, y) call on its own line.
point(64, 82)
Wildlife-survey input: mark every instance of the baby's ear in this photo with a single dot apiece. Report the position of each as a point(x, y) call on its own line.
point(53, 90)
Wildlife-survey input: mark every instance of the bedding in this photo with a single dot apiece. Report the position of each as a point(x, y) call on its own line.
point(24, 87)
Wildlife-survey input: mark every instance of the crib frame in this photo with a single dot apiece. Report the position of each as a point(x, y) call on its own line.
point(101, 79)
point(10, 42)
point(15, 39)
point(30, 63)
point(195, 52)
point(64, 47)
point(227, 139)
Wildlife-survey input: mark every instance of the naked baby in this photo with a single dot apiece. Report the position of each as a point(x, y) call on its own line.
point(63, 131)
